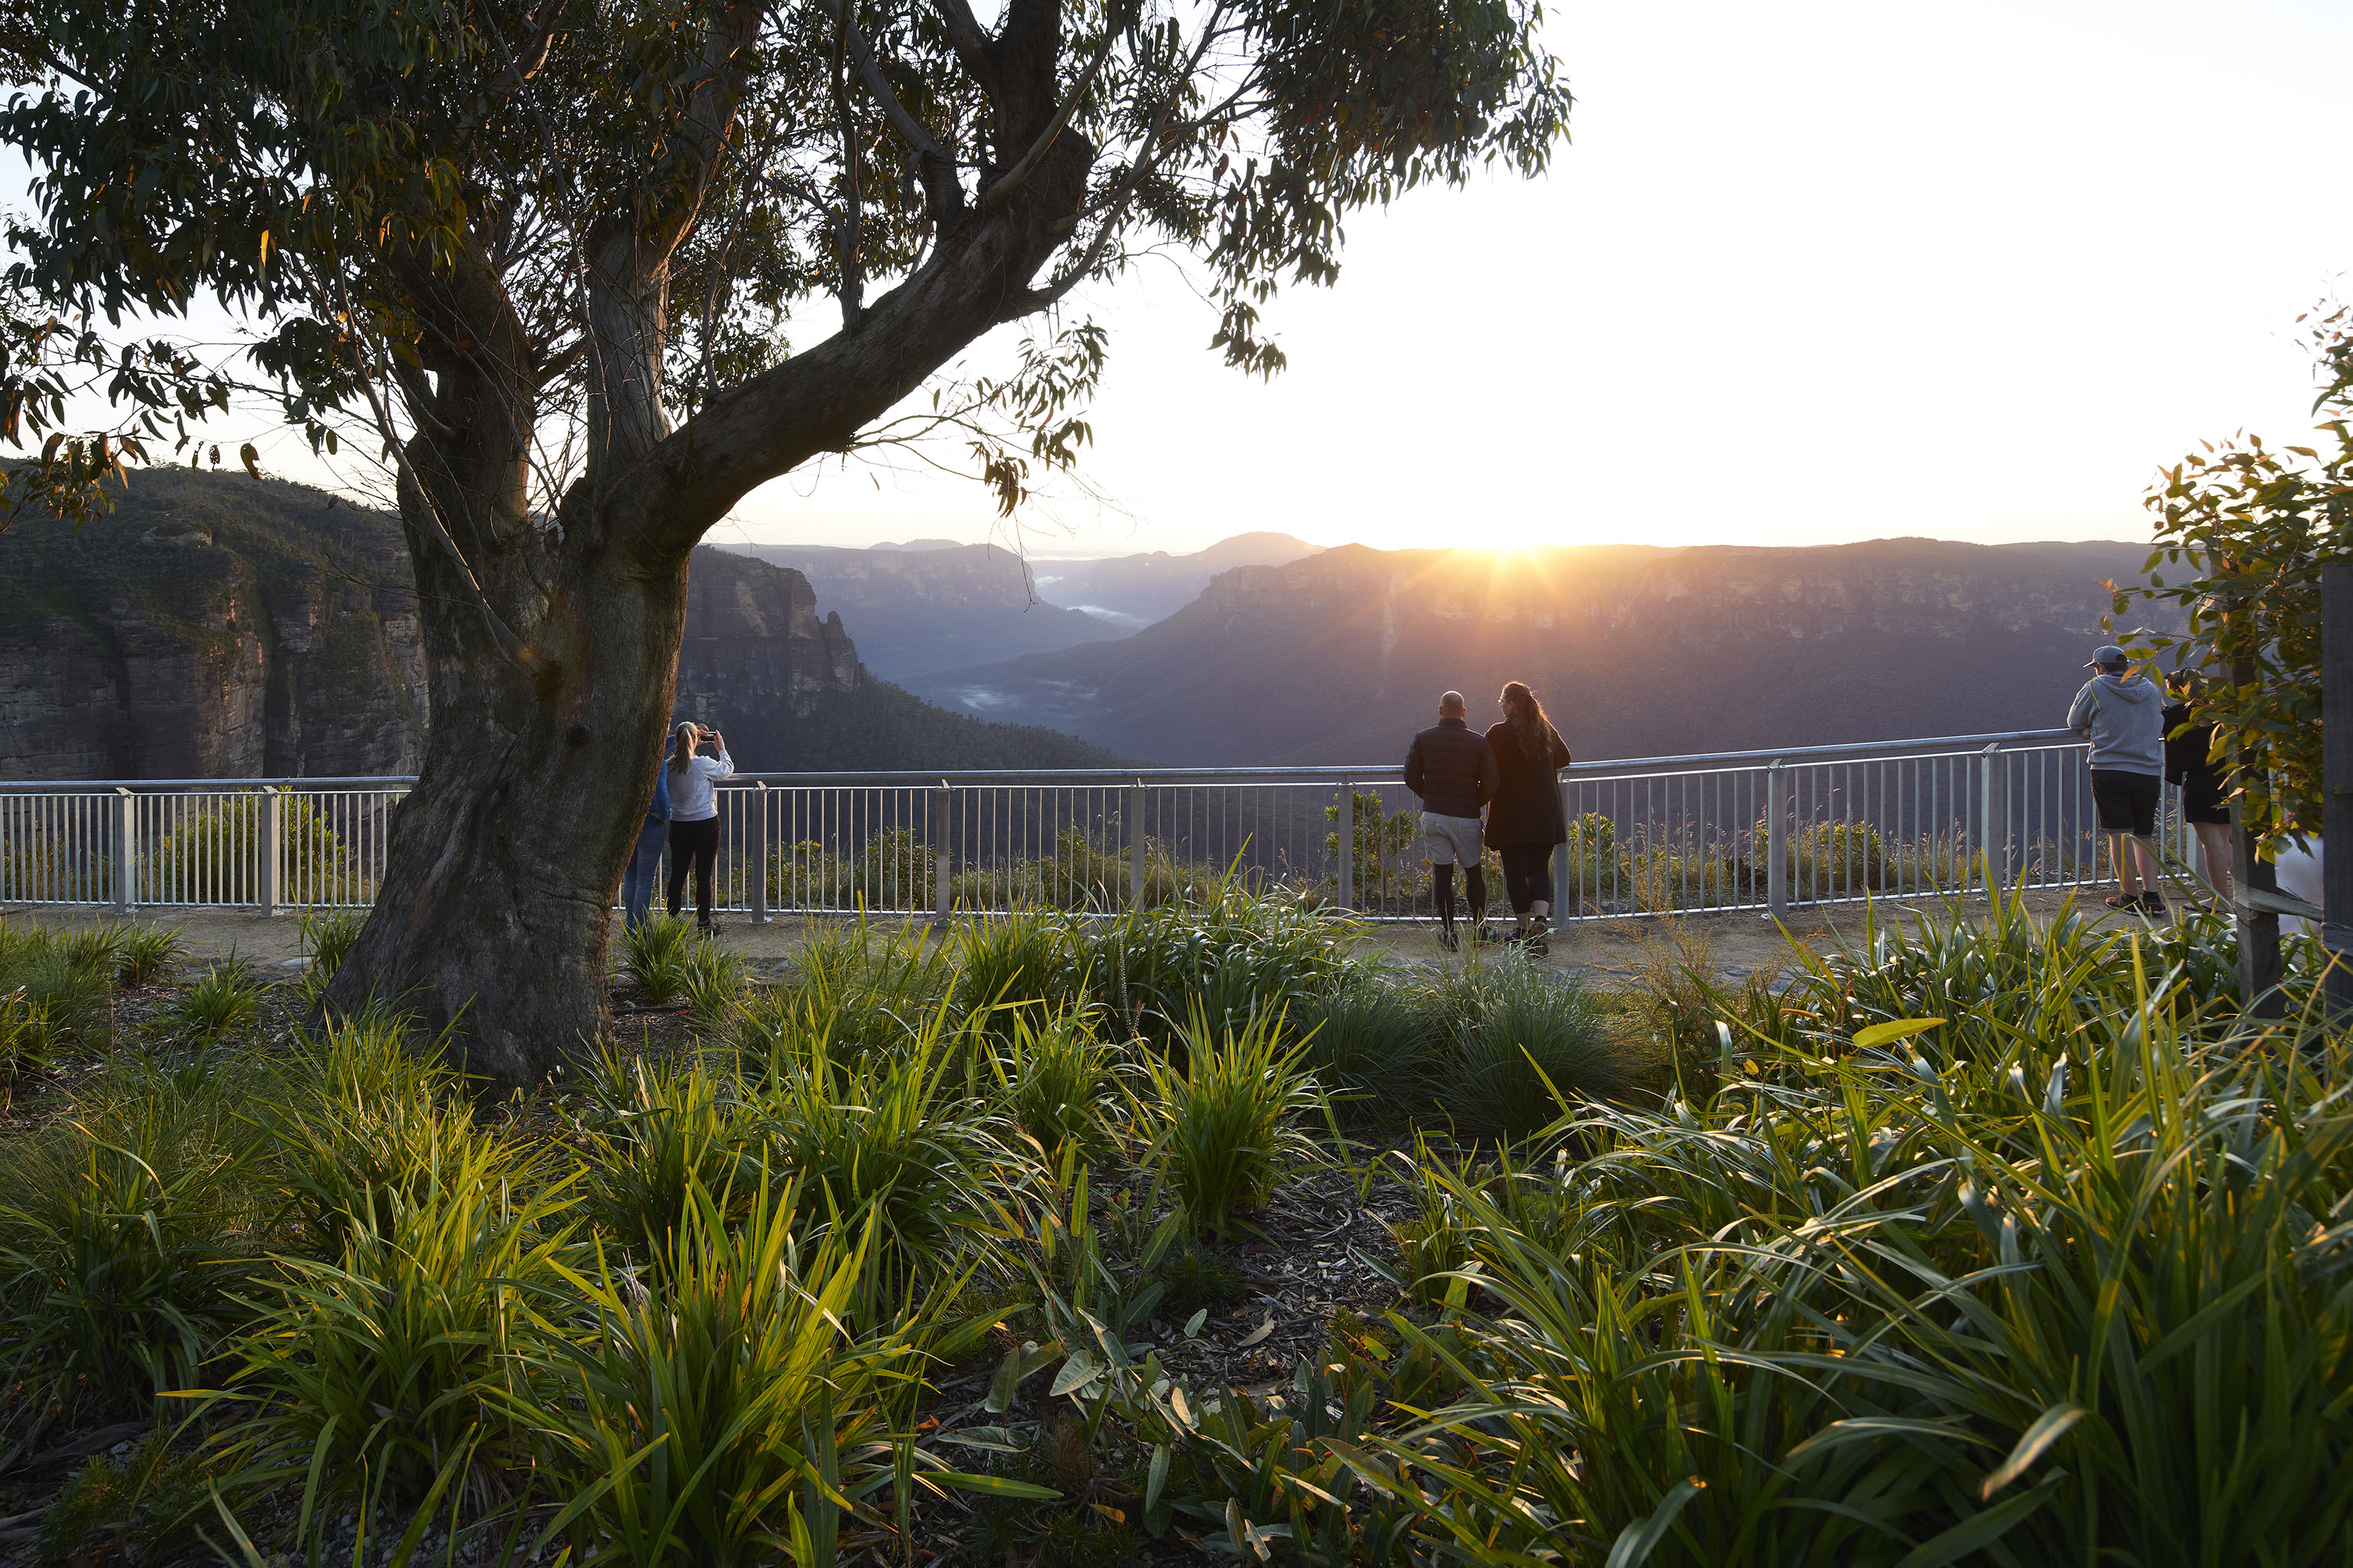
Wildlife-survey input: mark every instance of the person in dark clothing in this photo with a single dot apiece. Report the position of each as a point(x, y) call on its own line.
point(1526, 823)
point(1453, 772)
point(2205, 788)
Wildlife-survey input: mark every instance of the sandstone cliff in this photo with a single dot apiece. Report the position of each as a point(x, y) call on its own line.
point(753, 639)
point(211, 627)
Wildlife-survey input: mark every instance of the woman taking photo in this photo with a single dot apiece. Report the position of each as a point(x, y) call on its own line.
point(1524, 822)
point(694, 814)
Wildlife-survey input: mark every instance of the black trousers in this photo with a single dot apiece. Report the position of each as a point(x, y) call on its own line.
point(1527, 874)
point(694, 844)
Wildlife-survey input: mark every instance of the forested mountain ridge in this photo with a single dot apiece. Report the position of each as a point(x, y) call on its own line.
point(1339, 657)
point(217, 625)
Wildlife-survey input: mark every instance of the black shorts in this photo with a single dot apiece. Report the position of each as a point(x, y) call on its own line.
point(2127, 802)
point(2201, 798)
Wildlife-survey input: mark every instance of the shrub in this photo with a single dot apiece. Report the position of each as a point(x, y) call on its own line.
point(363, 1125)
point(1029, 963)
point(1225, 1126)
point(887, 1138)
point(659, 1133)
point(126, 1228)
point(225, 999)
point(392, 1372)
point(1054, 1080)
point(1365, 1040)
point(65, 987)
point(328, 937)
point(1225, 950)
point(148, 953)
point(1514, 1038)
point(869, 986)
point(714, 982)
point(726, 1420)
point(142, 1507)
point(213, 857)
point(656, 956)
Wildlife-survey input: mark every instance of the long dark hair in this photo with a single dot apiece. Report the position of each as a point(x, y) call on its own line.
point(1530, 727)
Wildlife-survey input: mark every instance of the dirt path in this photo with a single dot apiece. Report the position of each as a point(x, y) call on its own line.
point(1606, 950)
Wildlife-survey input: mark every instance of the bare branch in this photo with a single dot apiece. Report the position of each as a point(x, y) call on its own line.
point(845, 231)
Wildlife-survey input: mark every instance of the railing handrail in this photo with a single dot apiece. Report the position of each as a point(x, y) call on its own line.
point(1364, 773)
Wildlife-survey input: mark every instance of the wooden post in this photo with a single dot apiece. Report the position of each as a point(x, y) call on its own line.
point(2337, 782)
point(2259, 930)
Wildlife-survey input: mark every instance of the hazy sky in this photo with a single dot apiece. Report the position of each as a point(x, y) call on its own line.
point(1807, 272)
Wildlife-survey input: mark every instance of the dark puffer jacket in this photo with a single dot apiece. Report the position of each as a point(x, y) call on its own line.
point(1527, 801)
point(1452, 768)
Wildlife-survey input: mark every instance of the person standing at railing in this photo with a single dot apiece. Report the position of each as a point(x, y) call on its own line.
point(2205, 794)
point(1455, 774)
point(1527, 824)
point(694, 814)
point(644, 868)
point(2122, 713)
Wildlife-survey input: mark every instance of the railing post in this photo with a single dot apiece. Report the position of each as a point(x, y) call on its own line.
point(123, 830)
point(1347, 845)
point(943, 821)
point(1560, 872)
point(759, 900)
point(270, 846)
point(1777, 841)
point(1993, 818)
point(1138, 854)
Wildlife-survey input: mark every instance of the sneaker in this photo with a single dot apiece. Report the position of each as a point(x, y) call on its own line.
point(1487, 937)
point(1448, 940)
point(1540, 927)
point(2153, 904)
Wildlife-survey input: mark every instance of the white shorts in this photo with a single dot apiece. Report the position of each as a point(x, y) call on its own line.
point(1452, 840)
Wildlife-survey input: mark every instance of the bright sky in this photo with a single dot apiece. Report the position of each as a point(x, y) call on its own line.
point(1808, 272)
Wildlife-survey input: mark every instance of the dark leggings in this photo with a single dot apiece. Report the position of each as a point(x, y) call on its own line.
point(694, 843)
point(1527, 874)
point(1442, 884)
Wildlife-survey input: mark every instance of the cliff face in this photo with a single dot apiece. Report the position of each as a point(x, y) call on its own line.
point(1339, 657)
point(755, 644)
point(210, 627)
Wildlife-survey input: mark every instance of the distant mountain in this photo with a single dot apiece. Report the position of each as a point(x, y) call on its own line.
point(1340, 657)
point(917, 609)
point(931, 605)
point(1134, 591)
point(788, 689)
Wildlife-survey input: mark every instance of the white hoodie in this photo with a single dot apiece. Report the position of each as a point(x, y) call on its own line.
point(694, 796)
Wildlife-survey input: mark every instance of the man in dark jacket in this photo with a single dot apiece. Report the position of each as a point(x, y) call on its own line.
point(1452, 769)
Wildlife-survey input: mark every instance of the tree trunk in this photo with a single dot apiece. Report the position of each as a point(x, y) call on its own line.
point(553, 651)
point(495, 910)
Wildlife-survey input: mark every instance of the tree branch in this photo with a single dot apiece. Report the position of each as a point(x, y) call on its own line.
point(971, 42)
point(1010, 181)
point(845, 231)
point(935, 165)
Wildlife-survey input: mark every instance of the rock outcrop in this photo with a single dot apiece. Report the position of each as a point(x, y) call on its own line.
point(209, 627)
point(755, 641)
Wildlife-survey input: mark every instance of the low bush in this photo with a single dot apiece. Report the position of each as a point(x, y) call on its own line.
point(227, 999)
point(655, 955)
point(714, 981)
point(1054, 1080)
point(657, 1133)
point(328, 937)
point(1518, 1042)
point(1366, 1042)
point(1226, 1125)
point(729, 1418)
point(127, 1229)
point(147, 955)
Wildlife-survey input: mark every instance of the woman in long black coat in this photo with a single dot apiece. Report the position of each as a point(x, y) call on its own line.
point(1525, 822)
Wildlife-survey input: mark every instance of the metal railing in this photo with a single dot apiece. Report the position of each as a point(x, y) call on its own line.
point(1763, 830)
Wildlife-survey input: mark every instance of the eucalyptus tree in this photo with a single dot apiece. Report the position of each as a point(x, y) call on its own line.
point(544, 253)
